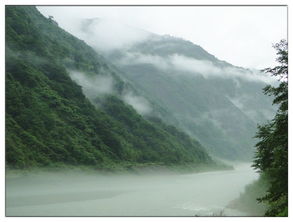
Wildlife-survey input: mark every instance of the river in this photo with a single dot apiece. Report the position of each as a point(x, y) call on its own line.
point(160, 194)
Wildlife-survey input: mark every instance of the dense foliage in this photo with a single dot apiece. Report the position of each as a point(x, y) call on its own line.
point(50, 122)
point(272, 149)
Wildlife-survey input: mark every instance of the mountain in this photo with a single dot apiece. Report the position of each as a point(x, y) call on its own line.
point(53, 121)
point(213, 101)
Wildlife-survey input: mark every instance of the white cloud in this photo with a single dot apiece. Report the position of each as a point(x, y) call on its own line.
point(93, 86)
point(139, 58)
point(109, 35)
point(140, 104)
point(207, 69)
point(191, 65)
point(182, 65)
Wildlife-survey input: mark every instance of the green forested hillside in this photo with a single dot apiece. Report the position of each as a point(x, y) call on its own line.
point(50, 122)
point(213, 101)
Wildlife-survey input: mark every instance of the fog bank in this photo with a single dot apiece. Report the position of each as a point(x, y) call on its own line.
point(88, 194)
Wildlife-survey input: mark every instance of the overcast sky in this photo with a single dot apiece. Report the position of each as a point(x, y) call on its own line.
point(242, 36)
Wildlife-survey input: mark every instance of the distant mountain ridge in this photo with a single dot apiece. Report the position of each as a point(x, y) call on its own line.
point(213, 101)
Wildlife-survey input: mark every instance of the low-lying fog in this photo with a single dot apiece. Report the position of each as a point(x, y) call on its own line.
point(86, 194)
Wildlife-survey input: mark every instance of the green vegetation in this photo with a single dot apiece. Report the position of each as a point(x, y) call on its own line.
point(269, 194)
point(49, 121)
point(272, 149)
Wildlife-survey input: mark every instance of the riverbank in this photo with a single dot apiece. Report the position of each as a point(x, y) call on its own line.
point(247, 200)
point(125, 168)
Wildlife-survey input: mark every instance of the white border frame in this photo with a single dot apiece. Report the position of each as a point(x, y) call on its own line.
point(130, 2)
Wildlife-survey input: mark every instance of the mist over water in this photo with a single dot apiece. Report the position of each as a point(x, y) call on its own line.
point(160, 194)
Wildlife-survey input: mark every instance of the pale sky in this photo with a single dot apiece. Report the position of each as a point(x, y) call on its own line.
point(242, 36)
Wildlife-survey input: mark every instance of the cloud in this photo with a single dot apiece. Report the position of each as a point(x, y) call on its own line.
point(183, 65)
point(93, 86)
point(139, 58)
point(140, 104)
point(99, 85)
point(191, 65)
point(209, 70)
point(108, 35)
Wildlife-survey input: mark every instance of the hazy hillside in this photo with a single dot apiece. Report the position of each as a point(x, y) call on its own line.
point(213, 101)
point(51, 120)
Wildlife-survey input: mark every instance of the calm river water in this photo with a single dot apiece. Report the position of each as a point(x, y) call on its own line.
point(84, 194)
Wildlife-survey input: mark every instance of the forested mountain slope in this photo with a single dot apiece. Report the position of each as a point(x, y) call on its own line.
point(213, 101)
point(50, 121)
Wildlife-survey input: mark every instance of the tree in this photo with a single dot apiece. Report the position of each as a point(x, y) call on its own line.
point(272, 149)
